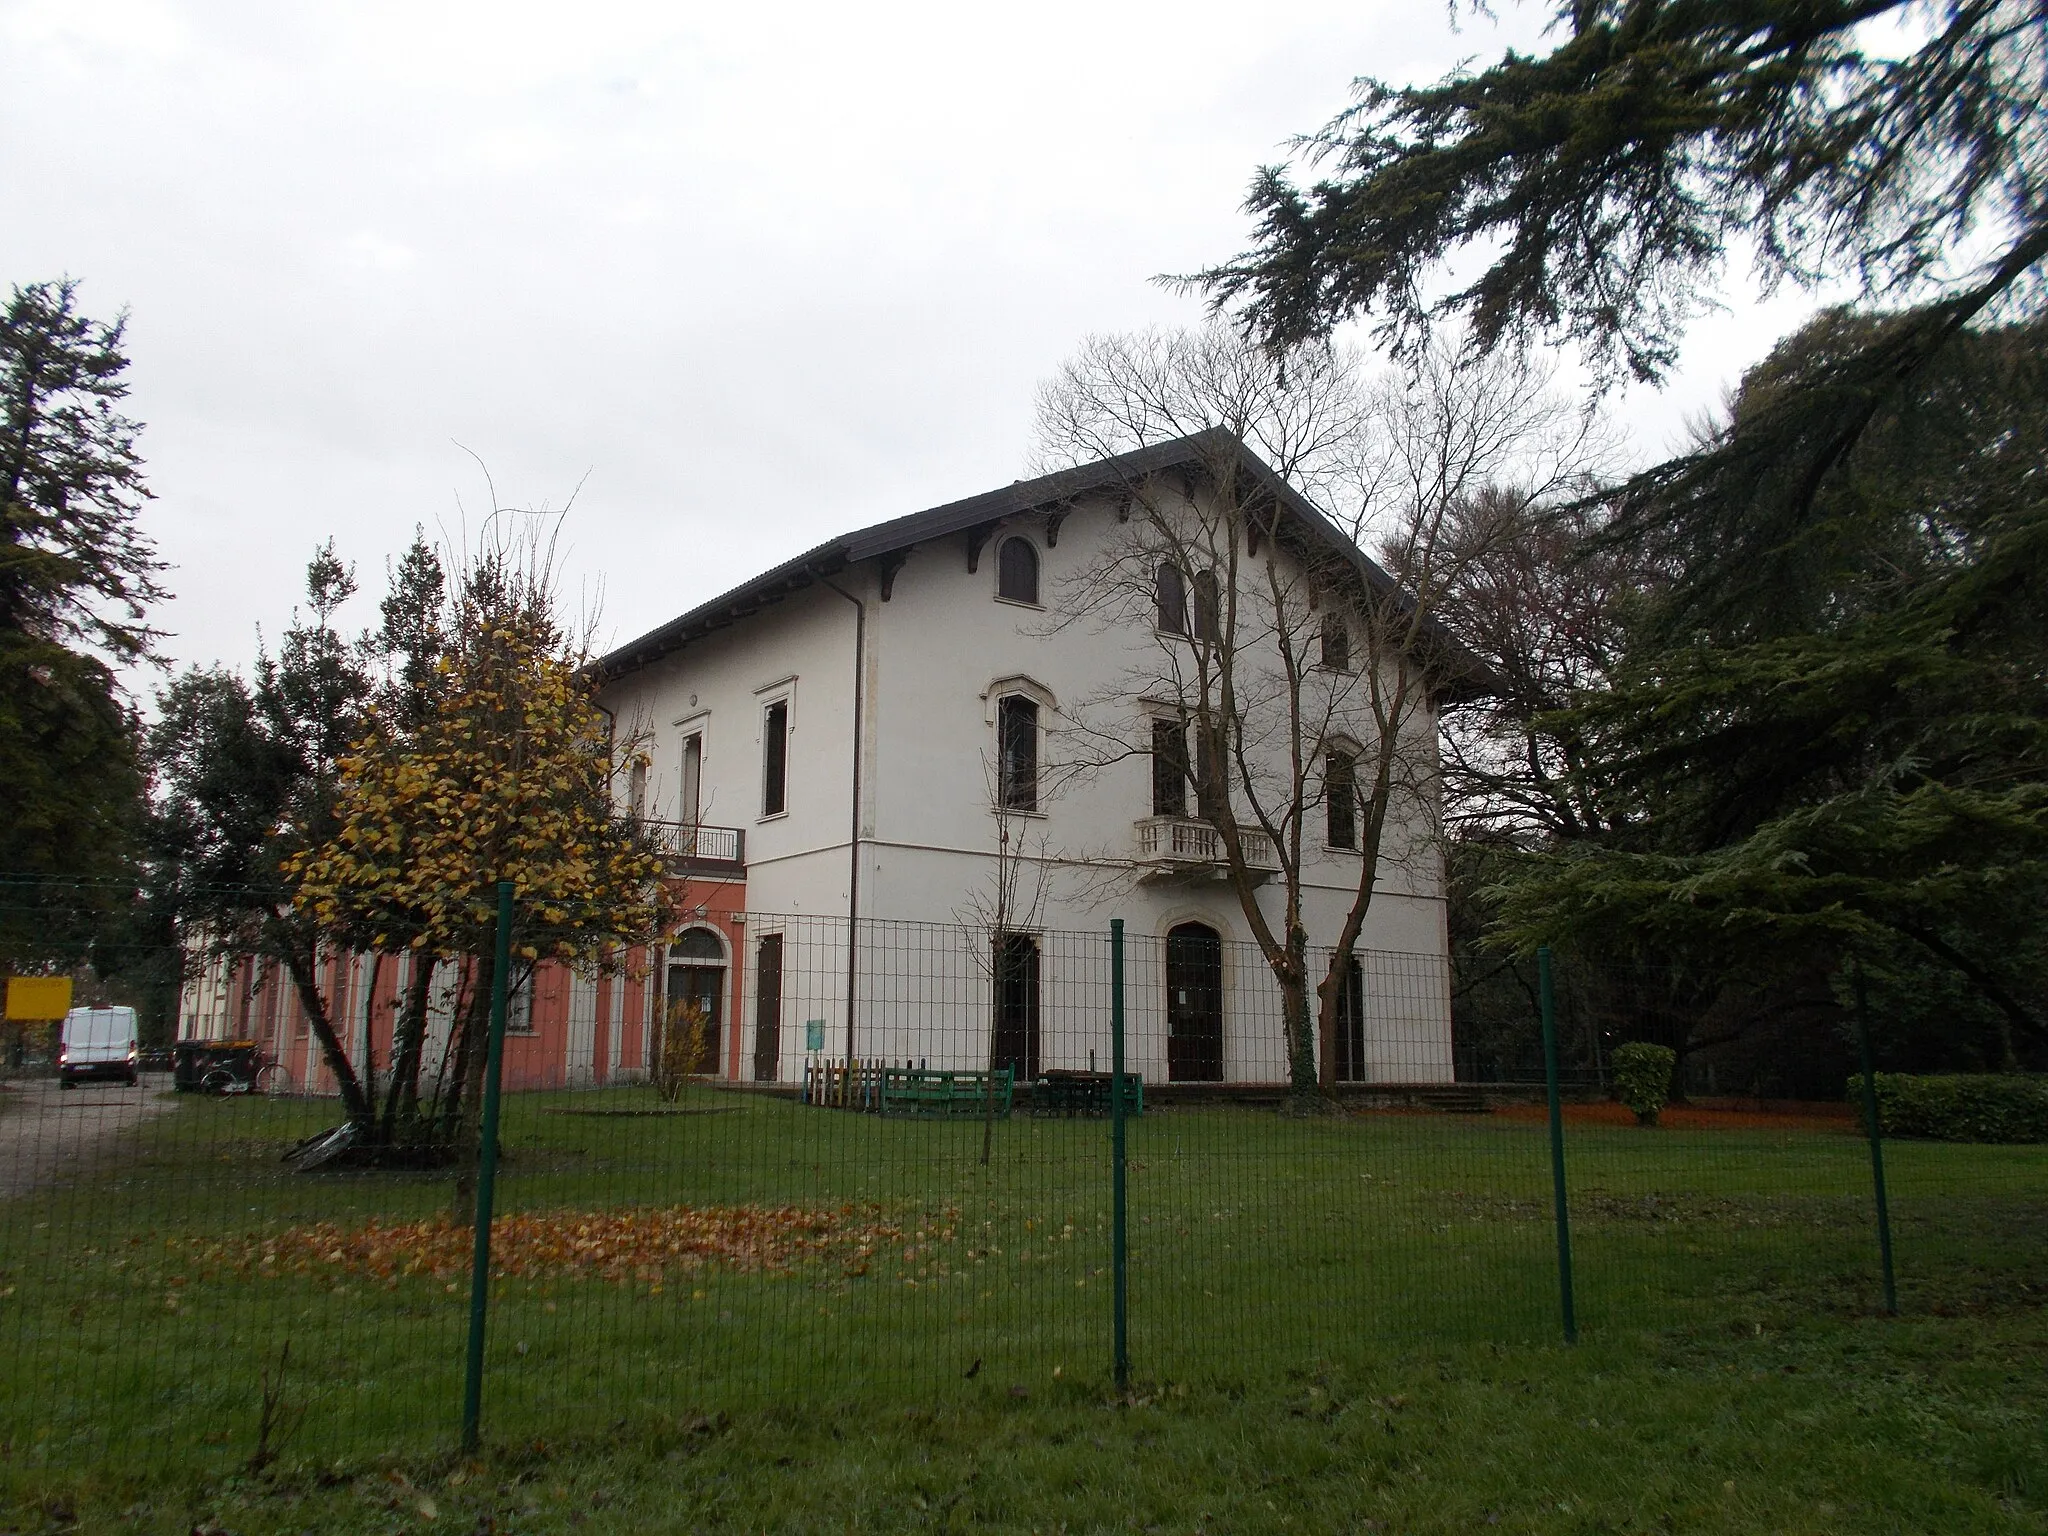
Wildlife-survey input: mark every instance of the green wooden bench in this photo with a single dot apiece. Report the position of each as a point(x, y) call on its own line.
point(918, 1091)
point(1084, 1093)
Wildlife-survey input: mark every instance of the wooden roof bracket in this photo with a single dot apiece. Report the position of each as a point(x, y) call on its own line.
point(1252, 528)
point(888, 565)
point(977, 536)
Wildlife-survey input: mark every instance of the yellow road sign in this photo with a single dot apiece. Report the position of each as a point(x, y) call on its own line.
point(35, 999)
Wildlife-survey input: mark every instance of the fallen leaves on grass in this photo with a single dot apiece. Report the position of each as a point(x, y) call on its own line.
point(644, 1244)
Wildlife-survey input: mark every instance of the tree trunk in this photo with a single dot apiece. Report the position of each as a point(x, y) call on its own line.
point(370, 1038)
point(470, 1048)
point(402, 1098)
point(1304, 1092)
point(1326, 1026)
point(458, 1120)
point(302, 965)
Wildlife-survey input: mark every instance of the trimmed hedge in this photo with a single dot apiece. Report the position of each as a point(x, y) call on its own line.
point(1959, 1107)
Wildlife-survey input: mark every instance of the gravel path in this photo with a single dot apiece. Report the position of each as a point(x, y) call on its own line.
point(46, 1132)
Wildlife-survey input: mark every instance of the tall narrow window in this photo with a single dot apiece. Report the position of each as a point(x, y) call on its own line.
point(636, 789)
point(1017, 571)
point(693, 779)
point(1169, 768)
point(1208, 607)
point(1340, 797)
point(1336, 643)
point(1171, 590)
point(519, 1005)
point(775, 758)
point(1017, 753)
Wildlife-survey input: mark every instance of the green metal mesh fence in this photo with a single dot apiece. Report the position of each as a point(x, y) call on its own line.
point(762, 1166)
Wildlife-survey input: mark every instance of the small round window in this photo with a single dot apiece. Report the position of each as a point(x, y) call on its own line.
point(1017, 571)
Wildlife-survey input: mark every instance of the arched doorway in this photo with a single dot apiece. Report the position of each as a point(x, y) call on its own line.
point(1194, 1004)
point(696, 998)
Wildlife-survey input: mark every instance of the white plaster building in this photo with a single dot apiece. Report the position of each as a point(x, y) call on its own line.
point(838, 733)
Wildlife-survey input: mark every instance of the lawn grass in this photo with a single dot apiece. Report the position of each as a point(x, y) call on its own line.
point(1349, 1320)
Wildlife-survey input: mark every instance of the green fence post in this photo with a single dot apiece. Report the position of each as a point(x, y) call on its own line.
point(486, 1179)
point(1547, 994)
point(1118, 1251)
point(1884, 1210)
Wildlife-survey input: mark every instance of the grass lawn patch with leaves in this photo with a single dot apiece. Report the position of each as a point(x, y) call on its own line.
point(786, 1318)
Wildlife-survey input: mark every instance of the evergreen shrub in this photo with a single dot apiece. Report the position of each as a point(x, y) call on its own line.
point(1959, 1106)
point(1642, 1078)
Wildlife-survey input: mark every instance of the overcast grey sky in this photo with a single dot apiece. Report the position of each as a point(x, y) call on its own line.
point(749, 275)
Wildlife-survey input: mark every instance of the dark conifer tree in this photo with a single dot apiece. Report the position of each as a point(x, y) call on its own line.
point(76, 575)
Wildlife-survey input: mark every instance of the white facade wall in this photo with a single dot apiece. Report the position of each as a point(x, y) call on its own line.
point(938, 654)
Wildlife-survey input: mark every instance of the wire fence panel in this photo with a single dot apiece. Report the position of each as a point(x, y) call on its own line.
point(777, 1159)
point(858, 1224)
point(1262, 1241)
point(161, 1262)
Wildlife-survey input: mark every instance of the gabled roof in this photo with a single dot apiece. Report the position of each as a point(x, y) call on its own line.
point(981, 514)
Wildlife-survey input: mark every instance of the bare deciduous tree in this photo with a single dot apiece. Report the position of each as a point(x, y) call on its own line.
point(1001, 916)
point(1290, 704)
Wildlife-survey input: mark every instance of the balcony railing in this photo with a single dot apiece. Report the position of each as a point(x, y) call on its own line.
point(1176, 844)
point(694, 843)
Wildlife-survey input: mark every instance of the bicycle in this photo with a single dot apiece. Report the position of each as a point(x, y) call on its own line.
point(222, 1081)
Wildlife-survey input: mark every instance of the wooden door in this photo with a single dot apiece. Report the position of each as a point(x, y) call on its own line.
point(1194, 1005)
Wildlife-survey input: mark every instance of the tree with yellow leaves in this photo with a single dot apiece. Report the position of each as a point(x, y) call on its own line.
point(507, 775)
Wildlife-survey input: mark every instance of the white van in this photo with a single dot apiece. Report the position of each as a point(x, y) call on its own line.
point(98, 1042)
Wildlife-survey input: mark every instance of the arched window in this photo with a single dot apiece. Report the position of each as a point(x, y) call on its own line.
point(1340, 798)
point(1017, 753)
point(1017, 571)
point(1208, 607)
point(1170, 587)
point(698, 945)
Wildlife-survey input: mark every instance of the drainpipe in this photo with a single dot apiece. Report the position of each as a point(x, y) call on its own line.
point(860, 645)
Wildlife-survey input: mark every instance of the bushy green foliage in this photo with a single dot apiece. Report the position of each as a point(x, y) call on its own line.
point(1823, 733)
point(1642, 1078)
point(1960, 1106)
point(1846, 753)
